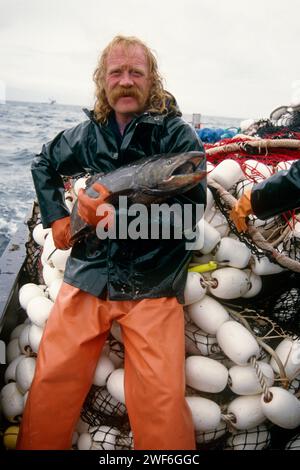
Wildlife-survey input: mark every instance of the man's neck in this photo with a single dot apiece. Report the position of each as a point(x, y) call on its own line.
point(123, 120)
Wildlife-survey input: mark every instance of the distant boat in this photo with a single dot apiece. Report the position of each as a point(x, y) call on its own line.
point(51, 101)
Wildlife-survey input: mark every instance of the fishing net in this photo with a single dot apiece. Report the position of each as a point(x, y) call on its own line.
point(33, 268)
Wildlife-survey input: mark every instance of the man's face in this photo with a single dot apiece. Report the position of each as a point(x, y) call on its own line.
point(127, 79)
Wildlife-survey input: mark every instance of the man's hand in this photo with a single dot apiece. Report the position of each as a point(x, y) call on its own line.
point(241, 210)
point(61, 233)
point(87, 206)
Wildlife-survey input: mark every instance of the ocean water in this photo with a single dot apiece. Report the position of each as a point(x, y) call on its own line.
point(24, 127)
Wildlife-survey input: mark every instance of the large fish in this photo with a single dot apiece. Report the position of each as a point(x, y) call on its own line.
point(149, 180)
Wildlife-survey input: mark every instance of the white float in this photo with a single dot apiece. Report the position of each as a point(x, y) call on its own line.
point(206, 413)
point(257, 438)
point(208, 314)
point(205, 374)
point(13, 350)
point(51, 274)
point(256, 170)
point(227, 173)
point(283, 409)
point(115, 385)
point(35, 336)
point(288, 352)
point(25, 373)
point(27, 293)
point(263, 266)
point(232, 252)
point(103, 369)
point(24, 340)
point(12, 402)
point(39, 234)
point(38, 310)
point(255, 283)
point(209, 238)
point(237, 342)
point(10, 372)
point(247, 411)
point(54, 288)
point(230, 283)
point(243, 379)
point(195, 288)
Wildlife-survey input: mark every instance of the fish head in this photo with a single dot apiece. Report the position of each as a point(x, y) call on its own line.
point(172, 173)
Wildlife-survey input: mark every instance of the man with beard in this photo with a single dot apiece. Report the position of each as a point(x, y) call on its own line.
point(138, 283)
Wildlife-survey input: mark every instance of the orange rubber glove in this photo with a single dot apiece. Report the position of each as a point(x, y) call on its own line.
point(87, 206)
point(61, 233)
point(241, 210)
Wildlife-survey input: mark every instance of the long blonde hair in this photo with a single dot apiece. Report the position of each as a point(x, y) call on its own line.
point(159, 98)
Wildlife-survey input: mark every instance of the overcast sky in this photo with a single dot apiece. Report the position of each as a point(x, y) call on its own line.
point(227, 58)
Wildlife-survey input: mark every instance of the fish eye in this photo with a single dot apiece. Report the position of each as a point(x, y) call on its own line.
point(169, 162)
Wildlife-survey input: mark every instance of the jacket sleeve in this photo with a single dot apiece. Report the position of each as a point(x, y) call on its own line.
point(60, 157)
point(277, 194)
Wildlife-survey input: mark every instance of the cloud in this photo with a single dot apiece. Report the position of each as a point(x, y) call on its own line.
point(225, 58)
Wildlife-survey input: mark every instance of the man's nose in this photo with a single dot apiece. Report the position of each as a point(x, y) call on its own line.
point(126, 79)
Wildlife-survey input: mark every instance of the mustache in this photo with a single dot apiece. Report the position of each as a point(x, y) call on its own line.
point(120, 92)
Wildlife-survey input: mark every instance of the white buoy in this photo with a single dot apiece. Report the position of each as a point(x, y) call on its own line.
point(17, 331)
point(115, 385)
point(288, 352)
point(237, 342)
point(27, 293)
point(208, 238)
point(227, 173)
point(284, 165)
point(12, 402)
point(25, 373)
point(263, 266)
point(255, 283)
point(10, 372)
point(39, 234)
point(103, 369)
point(51, 274)
point(206, 413)
point(38, 310)
point(13, 350)
point(242, 186)
point(243, 379)
point(219, 222)
point(208, 314)
point(81, 426)
point(84, 441)
point(294, 443)
point(48, 250)
point(35, 336)
point(283, 409)
point(205, 343)
point(256, 170)
point(105, 438)
point(59, 259)
point(205, 374)
point(24, 340)
point(212, 435)
point(247, 411)
point(107, 404)
point(232, 252)
point(54, 288)
point(230, 283)
point(258, 438)
point(209, 202)
point(195, 288)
